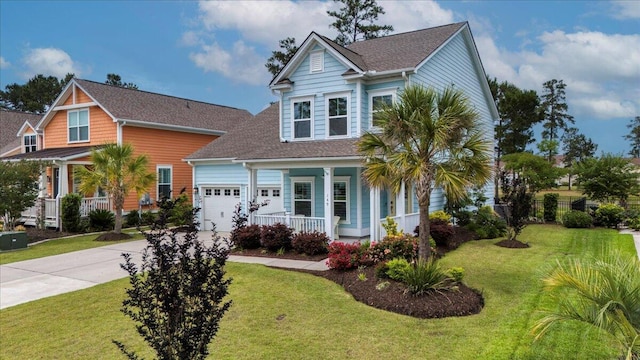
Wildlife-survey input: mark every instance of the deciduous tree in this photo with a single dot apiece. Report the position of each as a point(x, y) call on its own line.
point(608, 178)
point(356, 21)
point(427, 139)
point(576, 148)
point(19, 188)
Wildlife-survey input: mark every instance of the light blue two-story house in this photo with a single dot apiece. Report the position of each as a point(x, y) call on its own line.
point(300, 153)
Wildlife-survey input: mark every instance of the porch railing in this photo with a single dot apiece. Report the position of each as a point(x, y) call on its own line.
point(94, 203)
point(406, 223)
point(297, 222)
point(51, 214)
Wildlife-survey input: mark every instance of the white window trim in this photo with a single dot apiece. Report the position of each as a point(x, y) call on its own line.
point(301, 179)
point(24, 146)
point(88, 126)
point(347, 180)
point(158, 167)
point(328, 97)
point(379, 92)
point(293, 120)
point(319, 55)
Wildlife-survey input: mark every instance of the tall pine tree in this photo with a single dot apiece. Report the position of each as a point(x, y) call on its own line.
point(280, 58)
point(355, 21)
point(634, 137)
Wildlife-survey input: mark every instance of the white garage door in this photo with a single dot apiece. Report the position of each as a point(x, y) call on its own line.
point(272, 194)
point(218, 206)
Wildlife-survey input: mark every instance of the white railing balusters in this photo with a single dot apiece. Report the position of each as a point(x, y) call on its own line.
point(298, 223)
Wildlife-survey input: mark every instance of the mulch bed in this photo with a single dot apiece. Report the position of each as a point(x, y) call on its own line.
point(35, 235)
point(458, 301)
point(289, 255)
point(111, 236)
point(512, 244)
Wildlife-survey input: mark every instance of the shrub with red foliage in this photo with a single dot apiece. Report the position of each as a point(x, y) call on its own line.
point(310, 243)
point(441, 232)
point(344, 256)
point(248, 237)
point(391, 247)
point(275, 237)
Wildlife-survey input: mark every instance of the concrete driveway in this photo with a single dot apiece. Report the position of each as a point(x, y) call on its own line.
point(30, 280)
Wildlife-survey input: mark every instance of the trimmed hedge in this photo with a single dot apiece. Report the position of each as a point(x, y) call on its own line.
point(577, 219)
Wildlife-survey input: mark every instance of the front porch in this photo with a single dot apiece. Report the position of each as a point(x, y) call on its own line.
point(48, 211)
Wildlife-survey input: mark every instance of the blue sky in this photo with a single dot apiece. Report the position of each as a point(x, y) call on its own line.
point(215, 51)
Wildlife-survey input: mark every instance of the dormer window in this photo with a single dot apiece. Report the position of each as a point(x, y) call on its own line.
point(78, 125)
point(316, 61)
point(338, 115)
point(302, 118)
point(30, 143)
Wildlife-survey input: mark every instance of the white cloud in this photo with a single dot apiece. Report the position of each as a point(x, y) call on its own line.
point(266, 22)
point(413, 15)
point(241, 63)
point(50, 61)
point(601, 70)
point(626, 9)
point(261, 24)
point(4, 63)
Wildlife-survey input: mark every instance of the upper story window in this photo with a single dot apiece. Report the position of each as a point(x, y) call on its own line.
point(338, 115)
point(30, 143)
point(316, 62)
point(377, 101)
point(78, 125)
point(302, 118)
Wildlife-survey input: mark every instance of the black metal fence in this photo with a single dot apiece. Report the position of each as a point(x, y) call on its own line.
point(575, 203)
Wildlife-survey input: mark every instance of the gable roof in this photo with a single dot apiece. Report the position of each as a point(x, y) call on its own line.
point(144, 108)
point(404, 51)
point(258, 139)
point(11, 122)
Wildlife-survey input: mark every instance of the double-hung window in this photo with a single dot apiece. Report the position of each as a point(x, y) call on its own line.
point(164, 181)
point(341, 198)
point(302, 203)
point(78, 125)
point(338, 115)
point(378, 100)
point(302, 118)
point(30, 143)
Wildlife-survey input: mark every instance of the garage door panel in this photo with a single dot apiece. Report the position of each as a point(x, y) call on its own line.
point(218, 206)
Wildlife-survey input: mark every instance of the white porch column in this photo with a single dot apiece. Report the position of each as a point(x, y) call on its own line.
point(328, 202)
point(252, 191)
point(374, 213)
point(400, 209)
point(63, 182)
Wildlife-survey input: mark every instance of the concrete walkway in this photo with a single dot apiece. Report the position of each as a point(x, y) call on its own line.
point(29, 280)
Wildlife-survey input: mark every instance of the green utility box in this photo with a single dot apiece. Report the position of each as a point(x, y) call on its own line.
point(13, 240)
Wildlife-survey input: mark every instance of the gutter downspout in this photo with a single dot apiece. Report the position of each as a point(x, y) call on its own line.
point(407, 81)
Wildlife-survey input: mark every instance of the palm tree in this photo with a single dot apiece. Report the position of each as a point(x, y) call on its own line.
point(116, 171)
point(428, 139)
point(603, 292)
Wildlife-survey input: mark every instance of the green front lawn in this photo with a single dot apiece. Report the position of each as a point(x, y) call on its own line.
point(60, 246)
point(279, 314)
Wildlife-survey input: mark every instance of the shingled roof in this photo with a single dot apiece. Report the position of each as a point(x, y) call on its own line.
point(405, 50)
point(64, 153)
point(10, 123)
point(258, 139)
point(152, 108)
point(402, 51)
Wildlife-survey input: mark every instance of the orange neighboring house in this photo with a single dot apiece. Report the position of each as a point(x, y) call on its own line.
point(88, 114)
point(17, 132)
